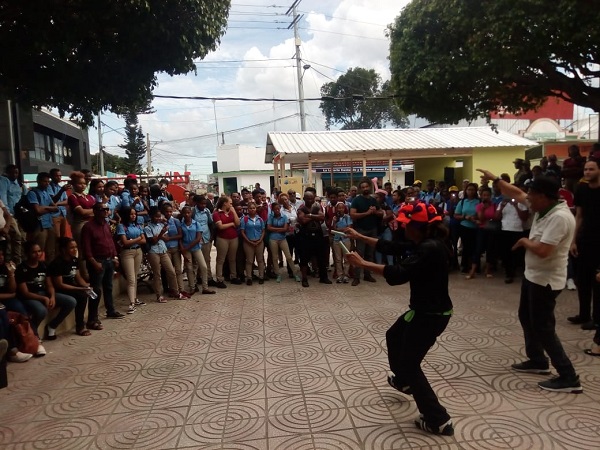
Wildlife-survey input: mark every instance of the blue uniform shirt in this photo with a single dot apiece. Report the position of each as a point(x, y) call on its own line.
point(152, 230)
point(174, 226)
point(343, 222)
point(205, 220)
point(188, 234)
point(53, 189)
point(252, 226)
point(277, 222)
point(114, 203)
point(44, 200)
point(10, 193)
point(126, 199)
point(130, 232)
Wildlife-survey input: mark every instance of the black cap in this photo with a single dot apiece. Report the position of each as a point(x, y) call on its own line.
point(547, 186)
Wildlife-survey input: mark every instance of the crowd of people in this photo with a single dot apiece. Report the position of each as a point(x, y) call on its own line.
point(259, 237)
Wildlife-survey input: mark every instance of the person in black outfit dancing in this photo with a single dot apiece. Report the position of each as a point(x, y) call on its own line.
point(415, 331)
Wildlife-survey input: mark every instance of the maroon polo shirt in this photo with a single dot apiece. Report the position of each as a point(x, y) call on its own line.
point(97, 240)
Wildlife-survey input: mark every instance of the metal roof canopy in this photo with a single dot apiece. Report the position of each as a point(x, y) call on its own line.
point(404, 143)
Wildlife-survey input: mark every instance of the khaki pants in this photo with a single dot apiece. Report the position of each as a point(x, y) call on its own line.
point(226, 249)
point(157, 260)
point(131, 262)
point(76, 231)
point(46, 239)
point(194, 263)
point(60, 230)
point(285, 249)
point(255, 252)
point(175, 256)
point(341, 266)
point(205, 249)
point(15, 242)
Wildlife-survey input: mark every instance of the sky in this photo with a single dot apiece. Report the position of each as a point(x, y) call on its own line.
point(256, 60)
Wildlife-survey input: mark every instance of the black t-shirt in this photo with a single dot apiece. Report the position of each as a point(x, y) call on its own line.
point(312, 227)
point(3, 279)
point(362, 205)
point(34, 277)
point(65, 269)
point(589, 201)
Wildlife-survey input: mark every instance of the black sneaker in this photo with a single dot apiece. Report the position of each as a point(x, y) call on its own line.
point(236, 281)
point(577, 320)
point(325, 281)
point(445, 429)
point(220, 285)
point(212, 283)
point(590, 325)
point(115, 315)
point(391, 379)
point(305, 283)
point(532, 367)
point(562, 384)
point(261, 281)
point(249, 282)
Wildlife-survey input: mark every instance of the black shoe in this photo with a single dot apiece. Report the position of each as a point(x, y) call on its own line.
point(445, 429)
point(261, 281)
point(577, 320)
point(212, 283)
point(305, 283)
point(355, 282)
point(570, 385)
point(236, 281)
point(47, 337)
point(370, 279)
point(220, 285)
point(115, 315)
point(391, 379)
point(508, 280)
point(291, 275)
point(249, 282)
point(588, 325)
point(532, 367)
point(325, 281)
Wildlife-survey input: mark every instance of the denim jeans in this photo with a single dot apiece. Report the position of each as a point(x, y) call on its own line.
point(102, 283)
point(536, 314)
point(38, 311)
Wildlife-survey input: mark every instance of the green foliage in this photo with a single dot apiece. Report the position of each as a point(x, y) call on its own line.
point(135, 144)
point(84, 56)
point(112, 163)
point(461, 59)
point(356, 113)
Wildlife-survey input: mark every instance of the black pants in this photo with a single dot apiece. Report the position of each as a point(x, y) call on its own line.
point(536, 314)
point(468, 237)
point(510, 258)
point(408, 343)
point(588, 291)
point(309, 247)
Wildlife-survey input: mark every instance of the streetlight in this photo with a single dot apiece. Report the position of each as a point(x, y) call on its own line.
point(100, 147)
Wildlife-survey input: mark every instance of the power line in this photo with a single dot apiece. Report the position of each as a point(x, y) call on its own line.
point(245, 99)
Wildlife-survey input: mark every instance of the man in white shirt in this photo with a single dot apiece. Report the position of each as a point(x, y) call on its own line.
point(546, 254)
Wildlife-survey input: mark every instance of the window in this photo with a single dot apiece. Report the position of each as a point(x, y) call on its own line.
point(58, 151)
point(41, 144)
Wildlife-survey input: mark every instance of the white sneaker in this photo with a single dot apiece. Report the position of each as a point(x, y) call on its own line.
point(41, 351)
point(131, 309)
point(19, 357)
point(571, 284)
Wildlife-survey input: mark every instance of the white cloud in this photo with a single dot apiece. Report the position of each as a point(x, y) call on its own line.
point(336, 35)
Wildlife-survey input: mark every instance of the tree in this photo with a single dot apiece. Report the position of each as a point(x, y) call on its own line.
point(353, 105)
point(135, 144)
point(85, 56)
point(112, 163)
point(461, 59)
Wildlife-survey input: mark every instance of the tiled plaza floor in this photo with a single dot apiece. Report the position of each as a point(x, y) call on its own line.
point(280, 367)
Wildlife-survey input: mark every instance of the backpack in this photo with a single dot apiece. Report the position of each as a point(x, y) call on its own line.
point(25, 213)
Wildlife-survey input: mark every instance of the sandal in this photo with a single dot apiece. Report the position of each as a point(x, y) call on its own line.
point(83, 332)
point(96, 325)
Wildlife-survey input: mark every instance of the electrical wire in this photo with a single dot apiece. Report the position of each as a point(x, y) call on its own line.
point(259, 99)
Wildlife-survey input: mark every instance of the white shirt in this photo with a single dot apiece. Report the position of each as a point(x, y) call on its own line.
point(555, 228)
point(510, 217)
point(2, 219)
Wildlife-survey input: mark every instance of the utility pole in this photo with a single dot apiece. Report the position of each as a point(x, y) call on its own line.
point(295, 19)
point(100, 150)
point(148, 155)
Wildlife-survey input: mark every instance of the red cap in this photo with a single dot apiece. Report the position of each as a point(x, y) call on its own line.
point(420, 212)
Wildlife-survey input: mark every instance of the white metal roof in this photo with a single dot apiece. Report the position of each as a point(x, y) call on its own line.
point(402, 142)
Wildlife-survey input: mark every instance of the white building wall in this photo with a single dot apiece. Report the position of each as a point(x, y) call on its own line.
point(236, 158)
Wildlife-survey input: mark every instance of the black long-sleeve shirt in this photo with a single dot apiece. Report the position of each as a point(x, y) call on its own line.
point(426, 269)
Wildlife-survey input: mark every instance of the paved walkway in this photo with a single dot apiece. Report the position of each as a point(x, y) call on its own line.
point(280, 367)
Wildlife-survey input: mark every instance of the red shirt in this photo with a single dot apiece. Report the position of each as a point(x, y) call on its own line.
point(97, 240)
point(227, 233)
point(85, 201)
